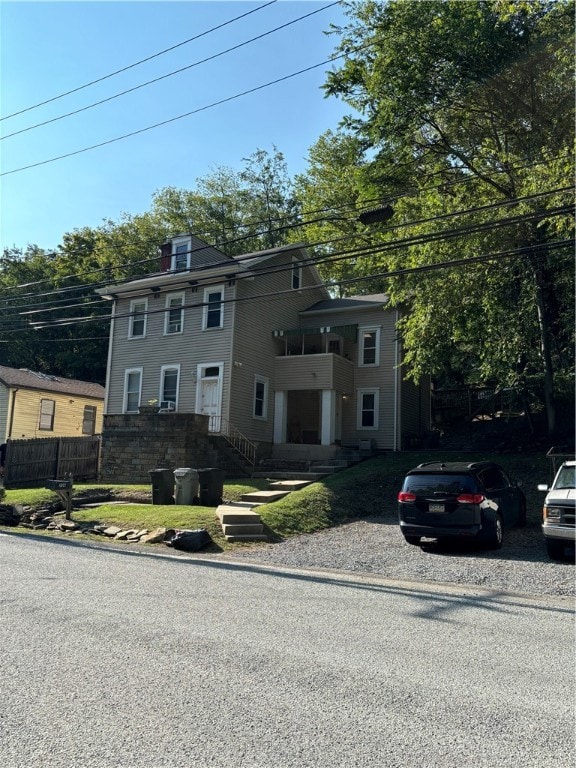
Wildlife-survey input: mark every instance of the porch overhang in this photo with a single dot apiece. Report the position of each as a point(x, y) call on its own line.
point(349, 332)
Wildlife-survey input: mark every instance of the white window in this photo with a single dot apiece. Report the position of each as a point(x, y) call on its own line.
point(369, 346)
point(132, 390)
point(47, 410)
point(296, 274)
point(169, 384)
point(213, 308)
point(368, 411)
point(138, 309)
point(260, 397)
point(174, 317)
point(181, 247)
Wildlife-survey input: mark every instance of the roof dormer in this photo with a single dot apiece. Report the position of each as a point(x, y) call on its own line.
point(176, 254)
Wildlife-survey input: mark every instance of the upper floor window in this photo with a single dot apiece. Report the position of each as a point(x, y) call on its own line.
point(368, 410)
point(260, 397)
point(181, 247)
point(132, 390)
point(213, 308)
point(296, 274)
point(369, 347)
point(89, 420)
point(47, 410)
point(170, 377)
point(174, 321)
point(138, 309)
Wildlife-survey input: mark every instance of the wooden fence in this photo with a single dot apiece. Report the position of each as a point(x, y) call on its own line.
point(32, 462)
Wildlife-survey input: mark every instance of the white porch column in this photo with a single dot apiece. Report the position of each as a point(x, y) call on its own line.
point(280, 416)
point(328, 417)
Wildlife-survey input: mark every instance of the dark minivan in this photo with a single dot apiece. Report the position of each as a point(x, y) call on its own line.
point(473, 501)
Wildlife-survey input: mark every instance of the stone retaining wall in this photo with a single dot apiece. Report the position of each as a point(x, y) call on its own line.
point(133, 444)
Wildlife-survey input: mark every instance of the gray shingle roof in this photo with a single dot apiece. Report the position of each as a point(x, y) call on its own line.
point(21, 377)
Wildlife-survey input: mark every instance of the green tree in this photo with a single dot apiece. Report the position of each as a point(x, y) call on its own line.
point(460, 106)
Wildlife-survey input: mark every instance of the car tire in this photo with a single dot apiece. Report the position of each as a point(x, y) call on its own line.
point(555, 549)
point(496, 536)
point(414, 540)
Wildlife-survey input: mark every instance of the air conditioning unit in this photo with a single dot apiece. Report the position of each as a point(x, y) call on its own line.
point(167, 406)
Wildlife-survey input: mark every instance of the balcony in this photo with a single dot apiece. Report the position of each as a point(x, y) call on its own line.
point(314, 372)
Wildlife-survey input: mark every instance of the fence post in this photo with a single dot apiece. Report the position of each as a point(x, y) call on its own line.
point(58, 451)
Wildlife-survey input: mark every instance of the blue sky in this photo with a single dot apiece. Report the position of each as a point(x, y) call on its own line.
point(49, 48)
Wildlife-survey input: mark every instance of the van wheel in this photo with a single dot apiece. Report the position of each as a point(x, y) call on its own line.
point(555, 549)
point(414, 540)
point(496, 535)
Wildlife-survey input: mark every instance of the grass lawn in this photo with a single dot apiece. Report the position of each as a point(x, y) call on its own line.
point(364, 490)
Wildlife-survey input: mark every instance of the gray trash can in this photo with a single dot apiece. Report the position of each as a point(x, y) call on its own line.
point(186, 480)
point(162, 486)
point(211, 486)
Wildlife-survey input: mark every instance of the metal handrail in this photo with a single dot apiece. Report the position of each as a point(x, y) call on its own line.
point(237, 440)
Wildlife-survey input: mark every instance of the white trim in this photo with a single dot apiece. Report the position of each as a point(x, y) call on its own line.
point(266, 382)
point(170, 297)
point(131, 334)
point(359, 408)
point(178, 241)
point(127, 372)
point(280, 417)
point(206, 308)
point(364, 329)
point(200, 377)
point(161, 393)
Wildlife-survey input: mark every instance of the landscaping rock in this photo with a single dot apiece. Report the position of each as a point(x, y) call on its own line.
point(154, 537)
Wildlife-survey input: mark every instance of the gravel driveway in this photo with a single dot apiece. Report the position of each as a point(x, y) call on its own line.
point(375, 545)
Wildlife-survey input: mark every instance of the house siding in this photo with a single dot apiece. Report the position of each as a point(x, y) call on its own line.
point(254, 348)
point(68, 414)
point(188, 349)
point(4, 406)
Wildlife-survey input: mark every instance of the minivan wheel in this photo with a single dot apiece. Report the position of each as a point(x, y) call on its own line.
point(496, 536)
point(414, 540)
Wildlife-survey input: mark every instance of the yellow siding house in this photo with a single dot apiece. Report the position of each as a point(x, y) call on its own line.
point(39, 405)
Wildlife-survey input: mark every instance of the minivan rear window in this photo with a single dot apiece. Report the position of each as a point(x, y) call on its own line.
point(422, 485)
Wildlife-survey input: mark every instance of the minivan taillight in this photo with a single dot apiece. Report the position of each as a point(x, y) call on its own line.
point(406, 496)
point(470, 498)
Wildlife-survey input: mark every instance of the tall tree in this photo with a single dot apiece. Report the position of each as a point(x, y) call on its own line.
point(459, 106)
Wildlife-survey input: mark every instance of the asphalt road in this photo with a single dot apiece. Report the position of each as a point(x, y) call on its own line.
point(126, 660)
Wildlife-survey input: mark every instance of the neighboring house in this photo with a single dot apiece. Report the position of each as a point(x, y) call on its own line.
point(256, 343)
point(39, 405)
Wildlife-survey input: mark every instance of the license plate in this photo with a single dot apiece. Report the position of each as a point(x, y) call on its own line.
point(436, 508)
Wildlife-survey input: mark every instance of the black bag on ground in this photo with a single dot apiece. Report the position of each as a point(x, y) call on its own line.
point(190, 541)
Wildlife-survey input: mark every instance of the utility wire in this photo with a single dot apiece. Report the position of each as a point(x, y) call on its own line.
point(137, 63)
point(169, 74)
point(487, 207)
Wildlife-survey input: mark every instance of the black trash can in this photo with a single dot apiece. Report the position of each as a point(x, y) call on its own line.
point(162, 486)
point(211, 482)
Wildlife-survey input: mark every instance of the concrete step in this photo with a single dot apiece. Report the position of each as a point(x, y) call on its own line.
point(328, 469)
point(338, 463)
point(310, 477)
point(236, 516)
point(289, 485)
point(264, 497)
point(246, 537)
point(242, 530)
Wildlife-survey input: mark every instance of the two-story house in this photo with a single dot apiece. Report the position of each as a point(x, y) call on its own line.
point(256, 343)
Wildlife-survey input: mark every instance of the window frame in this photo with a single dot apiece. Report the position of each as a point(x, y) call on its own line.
point(177, 242)
point(363, 331)
point(360, 394)
point(207, 309)
point(92, 421)
point(134, 316)
point(296, 274)
point(127, 373)
point(169, 310)
point(43, 414)
point(161, 394)
point(265, 382)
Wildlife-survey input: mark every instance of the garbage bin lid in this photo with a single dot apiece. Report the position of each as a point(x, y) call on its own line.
point(183, 470)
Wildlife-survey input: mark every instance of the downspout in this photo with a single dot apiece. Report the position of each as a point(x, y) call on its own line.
point(12, 408)
point(109, 360)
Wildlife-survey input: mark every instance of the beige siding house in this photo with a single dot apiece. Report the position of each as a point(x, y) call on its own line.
point(38, 405)
point(256, 344)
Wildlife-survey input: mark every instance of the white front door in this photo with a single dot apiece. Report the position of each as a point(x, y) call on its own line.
point(209, 395)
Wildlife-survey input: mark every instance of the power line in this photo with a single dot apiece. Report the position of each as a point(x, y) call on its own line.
point(174, 119)
point(483, 208)
point(137, 63)
point(169, 74)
